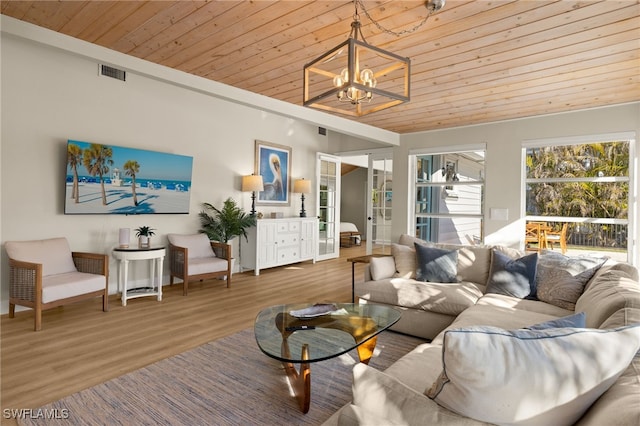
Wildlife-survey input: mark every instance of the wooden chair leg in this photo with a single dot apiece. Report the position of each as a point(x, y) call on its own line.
point(12, 310)
point(37, 318)
point(185, 287)
point(105, 301)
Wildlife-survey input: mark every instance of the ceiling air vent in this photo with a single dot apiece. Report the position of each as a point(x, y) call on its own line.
point(112, 72)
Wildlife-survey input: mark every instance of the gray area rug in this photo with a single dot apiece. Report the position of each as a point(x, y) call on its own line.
point(225, 382)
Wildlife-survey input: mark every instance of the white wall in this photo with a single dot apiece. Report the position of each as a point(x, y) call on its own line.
point(504, 161)
point(49, 96)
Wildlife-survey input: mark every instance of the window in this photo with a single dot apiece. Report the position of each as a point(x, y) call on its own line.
point(448, 195)
point(584, 183)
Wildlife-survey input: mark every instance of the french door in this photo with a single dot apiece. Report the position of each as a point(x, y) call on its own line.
point(379, 202)
point(328, 205)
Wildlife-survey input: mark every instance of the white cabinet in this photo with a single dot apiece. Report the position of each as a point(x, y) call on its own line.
point(276, 242)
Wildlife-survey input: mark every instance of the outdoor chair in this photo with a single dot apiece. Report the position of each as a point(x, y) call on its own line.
point(535, 233)
point(196, 258)
point(558, 237)
point(44, 274)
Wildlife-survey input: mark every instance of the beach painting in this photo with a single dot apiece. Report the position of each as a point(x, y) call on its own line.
point(107, 179)
point(273, 163)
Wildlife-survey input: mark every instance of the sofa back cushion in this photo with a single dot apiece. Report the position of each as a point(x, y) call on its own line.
point(405, 260)
point(198, 245)
point(473, 264)
point(609, 292)
point(54, 254)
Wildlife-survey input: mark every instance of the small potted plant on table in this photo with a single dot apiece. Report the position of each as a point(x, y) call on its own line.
point(144, 234)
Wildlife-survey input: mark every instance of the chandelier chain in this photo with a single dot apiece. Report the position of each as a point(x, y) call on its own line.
point(388, 31)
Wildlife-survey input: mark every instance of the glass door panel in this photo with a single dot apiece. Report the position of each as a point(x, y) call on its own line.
point(328, 206)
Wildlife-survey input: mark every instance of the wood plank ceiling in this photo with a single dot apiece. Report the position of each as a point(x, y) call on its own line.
point(472, 62)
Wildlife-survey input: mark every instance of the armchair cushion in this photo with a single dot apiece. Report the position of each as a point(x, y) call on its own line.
point(198, 245)
point(203, 265)
point(54, 254)
point(70, 284)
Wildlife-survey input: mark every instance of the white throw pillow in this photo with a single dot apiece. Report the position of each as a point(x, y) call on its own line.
point(382, 267)
point(528, 377)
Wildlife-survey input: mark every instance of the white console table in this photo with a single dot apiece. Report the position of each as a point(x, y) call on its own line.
point(155, 255)
point(277, 242)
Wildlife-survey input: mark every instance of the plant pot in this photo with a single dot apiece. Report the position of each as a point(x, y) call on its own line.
point(144, 241)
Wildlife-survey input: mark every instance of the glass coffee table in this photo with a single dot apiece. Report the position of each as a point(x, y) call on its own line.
point(306, 333)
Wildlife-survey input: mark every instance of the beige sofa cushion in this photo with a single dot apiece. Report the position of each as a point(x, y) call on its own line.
point(405, 260)
point(552, 389)
point(449, 298)
point(379, 399)
point(474, 262)
point(501, 300)
point(69, 284)
point(54, 254)
point(503, 316)
point(611, 291)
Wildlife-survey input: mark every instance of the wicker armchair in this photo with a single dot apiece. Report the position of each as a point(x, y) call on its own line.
point(194, 257)
point(44, 274)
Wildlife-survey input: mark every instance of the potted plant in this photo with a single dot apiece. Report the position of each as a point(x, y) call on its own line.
point(226, 223)
point(144, 234)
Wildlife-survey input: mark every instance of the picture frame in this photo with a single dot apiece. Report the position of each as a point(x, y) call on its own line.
point(273, 163)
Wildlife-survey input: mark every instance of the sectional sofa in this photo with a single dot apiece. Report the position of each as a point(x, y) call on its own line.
point(516, 338)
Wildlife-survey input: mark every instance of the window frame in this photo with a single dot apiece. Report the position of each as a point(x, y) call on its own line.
point(630, 221)
point(413, 185)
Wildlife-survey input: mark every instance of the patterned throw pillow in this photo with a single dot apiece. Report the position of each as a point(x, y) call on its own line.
point(560, 279)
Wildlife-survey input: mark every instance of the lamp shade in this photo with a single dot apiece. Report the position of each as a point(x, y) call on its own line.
point(302, 186)
point(252, 183)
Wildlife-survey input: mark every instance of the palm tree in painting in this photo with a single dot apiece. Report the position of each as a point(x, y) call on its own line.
point(74, 158)
point(97, 159)
point(131, 168)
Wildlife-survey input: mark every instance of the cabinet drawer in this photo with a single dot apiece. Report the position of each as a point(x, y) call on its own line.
point(288, 239)
point(288, 254)
point(288, 226)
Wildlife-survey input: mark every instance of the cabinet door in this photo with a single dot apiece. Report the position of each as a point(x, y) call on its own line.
point(267, 244)
point(307, 240)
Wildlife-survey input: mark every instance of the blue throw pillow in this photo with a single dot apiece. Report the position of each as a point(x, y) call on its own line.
point(513, 277)
point(578, 320)
point(436, 265)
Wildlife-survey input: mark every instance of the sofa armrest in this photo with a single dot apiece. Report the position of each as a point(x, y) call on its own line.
point(25, 280)
point(91, 263)
point(222, 250)
point(177, 260)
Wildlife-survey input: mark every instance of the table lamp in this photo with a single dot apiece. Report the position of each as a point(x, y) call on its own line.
point(302, 186)
point(252, 184)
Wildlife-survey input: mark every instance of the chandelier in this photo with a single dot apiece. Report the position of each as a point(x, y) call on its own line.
point(356, 78)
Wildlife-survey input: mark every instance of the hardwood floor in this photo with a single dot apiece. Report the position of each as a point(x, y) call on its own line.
point(80, 346)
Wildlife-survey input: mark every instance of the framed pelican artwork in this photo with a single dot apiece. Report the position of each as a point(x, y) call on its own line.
point(273, 163)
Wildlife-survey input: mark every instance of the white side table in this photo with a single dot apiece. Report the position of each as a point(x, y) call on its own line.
point(155, 255)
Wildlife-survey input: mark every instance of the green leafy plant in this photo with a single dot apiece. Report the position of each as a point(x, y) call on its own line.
point(145, 231)
point(226, 223)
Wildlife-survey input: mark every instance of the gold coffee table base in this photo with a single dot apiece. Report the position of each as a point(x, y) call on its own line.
point(301, 381)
